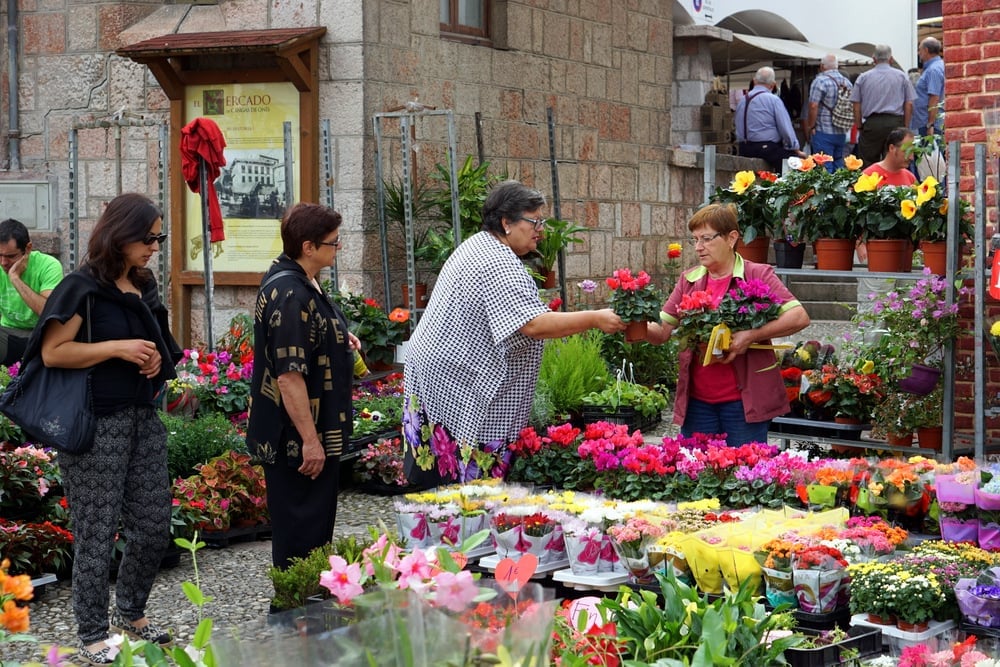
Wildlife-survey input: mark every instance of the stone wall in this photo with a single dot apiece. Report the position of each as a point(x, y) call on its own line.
point(972, 85)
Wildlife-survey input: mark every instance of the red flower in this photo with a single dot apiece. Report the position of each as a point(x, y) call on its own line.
point(767, 176)
point(555, 304)
point(371, 302)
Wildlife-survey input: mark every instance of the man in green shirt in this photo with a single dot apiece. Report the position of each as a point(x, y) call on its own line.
point(25, 283)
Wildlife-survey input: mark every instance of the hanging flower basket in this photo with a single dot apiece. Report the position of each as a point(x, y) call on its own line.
point(921, 381)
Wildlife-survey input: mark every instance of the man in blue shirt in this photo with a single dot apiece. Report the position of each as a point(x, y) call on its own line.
point(763, 127)
point(823, 94)
point(930, 90)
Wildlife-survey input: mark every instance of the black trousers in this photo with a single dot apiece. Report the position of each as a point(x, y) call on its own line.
point(871, 141)
point(303, 510)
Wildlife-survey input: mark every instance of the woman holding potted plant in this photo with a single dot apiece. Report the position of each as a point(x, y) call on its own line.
point(741, 395)
point(473, 359)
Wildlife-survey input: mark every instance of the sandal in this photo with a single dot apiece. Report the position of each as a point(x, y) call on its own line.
point(105, 656)
point(149, 632)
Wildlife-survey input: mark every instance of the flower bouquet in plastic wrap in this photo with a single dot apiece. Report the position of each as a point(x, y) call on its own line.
point(988, 505)
point(818, 572)
point(521, 529)
point(979, 598)
point(775, 558)
point(632, 541)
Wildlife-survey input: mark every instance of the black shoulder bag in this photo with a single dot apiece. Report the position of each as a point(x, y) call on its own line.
point(53, 406)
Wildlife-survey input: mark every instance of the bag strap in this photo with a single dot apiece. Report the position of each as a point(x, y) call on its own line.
point(90, 338)
point(746, 109)
point(279, 274)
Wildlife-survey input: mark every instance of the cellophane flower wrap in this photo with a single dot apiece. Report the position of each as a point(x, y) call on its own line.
point(817, 572)
point(524, 529)
point(979, 598)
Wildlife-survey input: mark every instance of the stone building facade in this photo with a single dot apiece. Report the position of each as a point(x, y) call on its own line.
point(607, 70)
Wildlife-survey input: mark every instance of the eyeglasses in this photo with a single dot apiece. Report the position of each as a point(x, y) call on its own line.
point(539, 223)
point(11, 255)
point(332, 244)
point(704, 240)
point(154, 238)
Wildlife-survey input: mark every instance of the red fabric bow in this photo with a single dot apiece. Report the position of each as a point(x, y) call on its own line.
point(202, 138)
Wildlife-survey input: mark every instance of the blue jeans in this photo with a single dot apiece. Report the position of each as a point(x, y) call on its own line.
point(721, 418)
point(832, 145)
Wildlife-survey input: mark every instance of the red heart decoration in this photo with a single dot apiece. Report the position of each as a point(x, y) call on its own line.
point(514, 574)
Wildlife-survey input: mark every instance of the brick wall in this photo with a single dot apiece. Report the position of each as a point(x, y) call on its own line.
point(972, 85)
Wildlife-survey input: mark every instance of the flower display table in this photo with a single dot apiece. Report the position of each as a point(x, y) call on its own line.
point(491, 562)
point(605, 582)
point(898, 639)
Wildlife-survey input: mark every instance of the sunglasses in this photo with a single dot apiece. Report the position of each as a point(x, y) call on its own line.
point(154, 238)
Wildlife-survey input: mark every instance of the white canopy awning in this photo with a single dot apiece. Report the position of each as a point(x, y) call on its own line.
point(745, 50)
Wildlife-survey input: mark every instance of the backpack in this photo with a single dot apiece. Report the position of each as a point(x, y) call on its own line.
point(842, 112)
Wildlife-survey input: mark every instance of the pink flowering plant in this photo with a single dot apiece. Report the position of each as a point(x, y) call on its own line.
point(550, 459)
point(220, 381)
point(30, 483)
point(634, 298)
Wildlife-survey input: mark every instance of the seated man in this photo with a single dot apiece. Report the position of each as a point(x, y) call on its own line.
point(25, 283)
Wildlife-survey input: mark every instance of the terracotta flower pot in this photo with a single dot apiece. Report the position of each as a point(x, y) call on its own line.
point(906, 626)
point(635, 332)
point(755, 251)
point(880, 620)
point(890, 255)
point(899, 439)
point(930, 437)
point(550, 280)
point(935, 255)
point(834, 254)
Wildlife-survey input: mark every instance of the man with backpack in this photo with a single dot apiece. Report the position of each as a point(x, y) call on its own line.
point(831, 113)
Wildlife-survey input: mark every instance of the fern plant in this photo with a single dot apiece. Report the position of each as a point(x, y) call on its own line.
point(572, 367)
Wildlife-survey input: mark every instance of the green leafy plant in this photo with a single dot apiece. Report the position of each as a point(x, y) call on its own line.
point(754, 198)
point(557, 236)
point(620, 394)
point(689, 629)
point(879, 211)
point(813, 203)
point(379, 332)
point(377, 414)
point(573, 367)
point(35, 548)
point(227, 488)
point(651, 364)
point(9, 431)
point(194, 441)
point(30, 484)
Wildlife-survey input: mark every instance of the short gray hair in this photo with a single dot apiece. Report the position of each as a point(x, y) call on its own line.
point(764, 75)
point(510, 200)
point(829, 61)
point(932, 44)
point(883, 53)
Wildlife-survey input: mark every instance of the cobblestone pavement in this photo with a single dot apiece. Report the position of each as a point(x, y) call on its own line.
point(236, 577)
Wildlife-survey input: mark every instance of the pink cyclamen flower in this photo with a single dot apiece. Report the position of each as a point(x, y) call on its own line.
point(455, 591)
point(414, 570)
point(342, 580)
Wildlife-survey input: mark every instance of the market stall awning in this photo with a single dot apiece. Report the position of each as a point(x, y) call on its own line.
point(746, 50)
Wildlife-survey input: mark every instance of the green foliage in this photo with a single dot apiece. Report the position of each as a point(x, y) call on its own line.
point(379, 334)
point(689, 629)
point(9, 431)
point(651, 364)
point(556, 236)
point(755, 204)
point(194, 441)
point(300, 580)
point(645, 401)
point(572, 367)
point(390, 407)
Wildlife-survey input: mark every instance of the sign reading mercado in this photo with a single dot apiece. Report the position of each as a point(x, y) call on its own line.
point(251, 187)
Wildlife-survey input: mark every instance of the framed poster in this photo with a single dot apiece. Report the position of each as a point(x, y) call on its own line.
point(251, 186)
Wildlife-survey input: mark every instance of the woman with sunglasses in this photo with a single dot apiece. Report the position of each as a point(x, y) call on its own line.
point(741, 395)
point(472, 362)
point(301, 412)
point(107, 316)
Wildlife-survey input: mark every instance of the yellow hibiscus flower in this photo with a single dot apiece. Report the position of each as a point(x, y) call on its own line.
point(742, 181)
point(852, 163)
point(995, 328)
point(926, 190)
point(867, 182)
point(908, 208)
point(943, 208)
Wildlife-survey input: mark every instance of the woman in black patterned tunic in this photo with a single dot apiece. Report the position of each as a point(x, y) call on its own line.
point(473, 359)
point(300, 413)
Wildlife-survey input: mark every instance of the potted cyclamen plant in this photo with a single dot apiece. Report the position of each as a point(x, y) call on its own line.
point(636, 300)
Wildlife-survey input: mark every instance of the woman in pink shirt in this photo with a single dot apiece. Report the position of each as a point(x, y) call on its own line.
point(741, 394)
